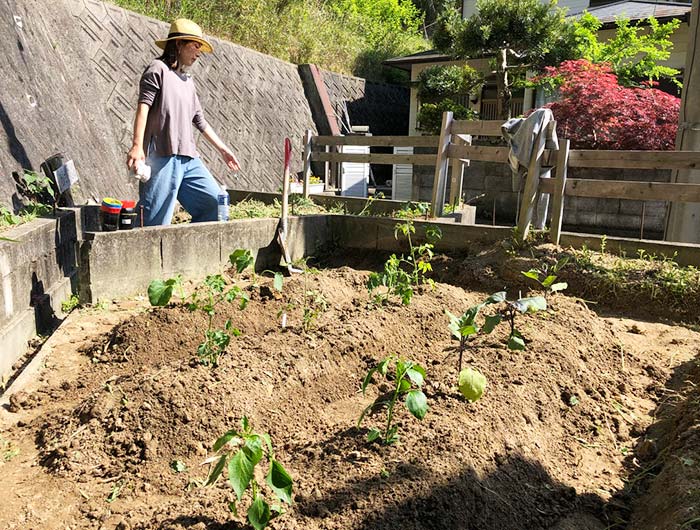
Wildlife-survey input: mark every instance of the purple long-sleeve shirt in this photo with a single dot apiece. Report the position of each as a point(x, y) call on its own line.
point(174, 109)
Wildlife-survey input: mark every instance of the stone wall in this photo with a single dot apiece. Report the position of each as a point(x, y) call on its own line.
point(72, 81)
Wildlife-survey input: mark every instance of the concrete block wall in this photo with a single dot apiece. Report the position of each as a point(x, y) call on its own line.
point(38, 271)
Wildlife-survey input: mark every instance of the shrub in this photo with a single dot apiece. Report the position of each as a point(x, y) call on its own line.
point(595, 112)
point(430, 114)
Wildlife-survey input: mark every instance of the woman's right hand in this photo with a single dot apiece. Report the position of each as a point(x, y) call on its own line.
point(134, 156)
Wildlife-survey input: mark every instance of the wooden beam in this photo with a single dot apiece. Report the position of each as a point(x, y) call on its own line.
point(379, 141)
point(635, 159)
point(457, 172)
point(477, 128)
point(375, 158)
point(307, 161)
point(638, 191)
point(438, 200)
point(559, 183)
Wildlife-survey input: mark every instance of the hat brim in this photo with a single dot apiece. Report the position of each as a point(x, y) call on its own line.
point(206, 46)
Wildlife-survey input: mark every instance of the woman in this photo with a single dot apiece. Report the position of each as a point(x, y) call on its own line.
point(168, 108)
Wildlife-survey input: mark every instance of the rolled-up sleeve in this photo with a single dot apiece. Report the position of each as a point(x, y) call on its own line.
point(198, 120)
point(151, 82)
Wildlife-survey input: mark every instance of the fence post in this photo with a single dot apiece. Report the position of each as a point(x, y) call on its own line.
point(559, 190)
point(458, 172)
point(307, 162)
point(441, 163)
point(532, 183)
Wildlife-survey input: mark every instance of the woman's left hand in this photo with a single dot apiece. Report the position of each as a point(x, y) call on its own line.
point(230, 159)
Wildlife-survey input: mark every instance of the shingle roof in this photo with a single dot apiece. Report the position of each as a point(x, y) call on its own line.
point(635, 10)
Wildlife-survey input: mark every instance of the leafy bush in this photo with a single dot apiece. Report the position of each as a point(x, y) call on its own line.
point(430, 114)
point(595, 112)
point(436, 82)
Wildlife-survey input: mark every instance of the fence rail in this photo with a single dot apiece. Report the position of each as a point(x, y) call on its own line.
point(546, 172)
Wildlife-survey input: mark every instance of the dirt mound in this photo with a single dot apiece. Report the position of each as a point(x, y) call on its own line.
point(544, 448)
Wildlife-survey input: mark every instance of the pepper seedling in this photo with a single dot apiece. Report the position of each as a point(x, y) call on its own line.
point(549, 276)
point(408, 381)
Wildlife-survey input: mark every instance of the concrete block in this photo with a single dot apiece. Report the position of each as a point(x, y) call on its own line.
point(193, 250)
point(308, 235)
point(256, 235)
point(109, 257)
point(354, 232)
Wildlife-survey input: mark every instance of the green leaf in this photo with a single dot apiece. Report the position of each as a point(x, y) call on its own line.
point(559, 286)
point(232, 507)
point(471, 384)
point(549, 280)
point(259, 513)
point(280, 481)
point(560, 264)
point(491, 322)
point(516, 341)
point(532, 273)
point(159, 293)
point(373, 434)
point(404, 386)
point(216, 472)
point(253, 448)
point(241, 259)
point(416, 374)
point(417, 403)
point(278, 281)
point(240, 473)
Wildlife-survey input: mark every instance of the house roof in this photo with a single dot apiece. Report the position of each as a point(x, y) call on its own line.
point(637, 10)
point(607, 14)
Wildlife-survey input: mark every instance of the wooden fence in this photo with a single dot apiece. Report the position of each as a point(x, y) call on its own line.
point(546, 171)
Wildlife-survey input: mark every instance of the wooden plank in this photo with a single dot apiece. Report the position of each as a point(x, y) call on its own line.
point(481, 153)
point(457, 172)
point(441, 163)
point(307, 161)
point(638, 191)
point(635, 159)
point(477, 128)
point(375, 158)
point(378, 141)
point(559, 185)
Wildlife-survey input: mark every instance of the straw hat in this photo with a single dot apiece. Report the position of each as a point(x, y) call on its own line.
point(183, 28)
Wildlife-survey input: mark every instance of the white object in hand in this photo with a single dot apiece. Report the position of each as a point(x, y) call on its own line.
point(142, 171)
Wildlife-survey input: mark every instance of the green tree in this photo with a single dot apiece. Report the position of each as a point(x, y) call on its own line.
point(518, 33)
point(634, 52)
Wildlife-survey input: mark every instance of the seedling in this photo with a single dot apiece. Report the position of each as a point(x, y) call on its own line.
point(511, 309)
point(546, 276)
point(401, 274)
point(161, 291)
point(314, 305)
point(465, 327)
point(408, 381)
point(239, 452)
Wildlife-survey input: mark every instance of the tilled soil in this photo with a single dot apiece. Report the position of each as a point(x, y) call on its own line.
point(551, 443)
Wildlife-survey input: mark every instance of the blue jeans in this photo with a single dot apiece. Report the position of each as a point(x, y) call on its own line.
point(178, 178)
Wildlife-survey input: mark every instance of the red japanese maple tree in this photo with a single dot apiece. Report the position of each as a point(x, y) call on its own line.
point(595, 112)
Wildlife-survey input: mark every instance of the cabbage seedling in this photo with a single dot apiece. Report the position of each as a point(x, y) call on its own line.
point(408, 380)
point(239, 452)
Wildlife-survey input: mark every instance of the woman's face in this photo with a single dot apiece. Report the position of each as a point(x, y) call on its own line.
point(187, 52)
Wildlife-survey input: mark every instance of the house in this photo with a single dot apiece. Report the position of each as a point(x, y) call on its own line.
point(523, 100)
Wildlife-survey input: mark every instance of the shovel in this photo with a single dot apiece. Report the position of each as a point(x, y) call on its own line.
point(282, 228)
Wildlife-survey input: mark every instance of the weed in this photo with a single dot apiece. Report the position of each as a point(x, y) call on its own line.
point(401, 274)
point(178, 466)
point(408, 380)
point(239, 452)
point(8, 450)
point(116, 490)
point(68, 305)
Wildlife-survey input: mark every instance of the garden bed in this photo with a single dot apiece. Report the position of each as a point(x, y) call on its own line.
point(566, 435)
